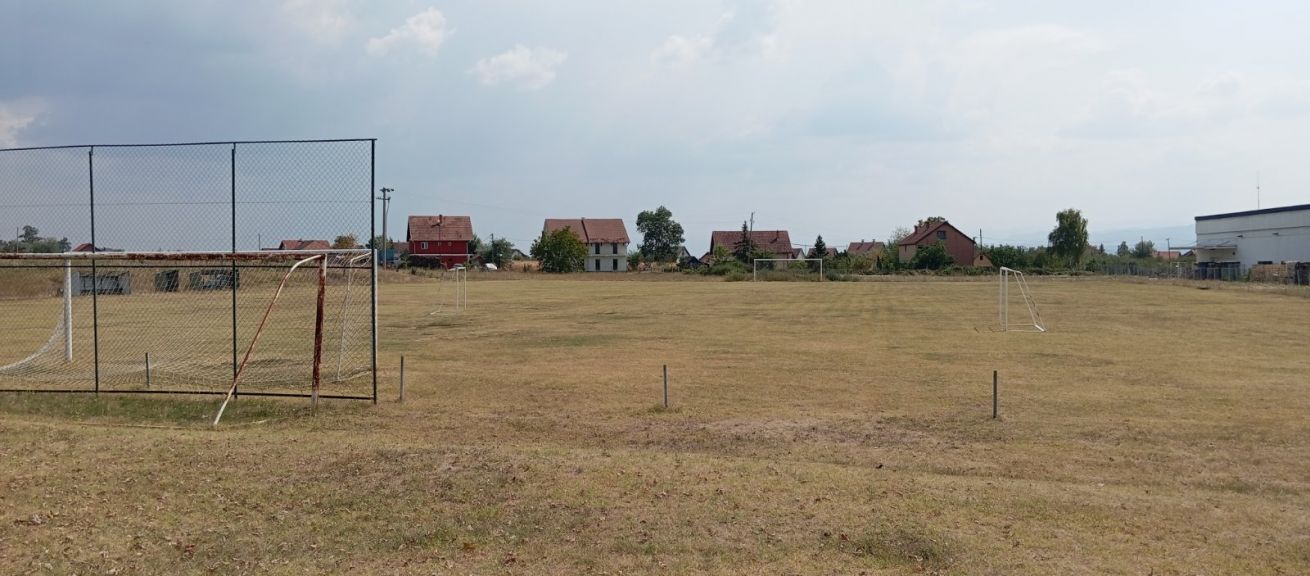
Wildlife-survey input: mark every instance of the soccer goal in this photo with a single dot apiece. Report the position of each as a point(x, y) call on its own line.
point(267, 323)
point(452, 291)
point(1010, 277)
point(786, 269)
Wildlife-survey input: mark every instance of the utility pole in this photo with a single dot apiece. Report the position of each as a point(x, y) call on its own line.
point(386, 205)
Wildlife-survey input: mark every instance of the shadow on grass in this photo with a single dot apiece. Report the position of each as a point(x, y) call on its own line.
point(187, 412)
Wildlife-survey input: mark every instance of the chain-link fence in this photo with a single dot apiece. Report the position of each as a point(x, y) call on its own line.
point(156, 268)
point(1296, 273)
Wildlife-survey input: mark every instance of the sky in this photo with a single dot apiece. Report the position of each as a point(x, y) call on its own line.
point(846, 119)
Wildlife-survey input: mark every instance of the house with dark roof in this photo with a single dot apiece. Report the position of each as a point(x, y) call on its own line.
point(439, 240)
point(775, 242)
point(963, 250)
point(304, 245)
point(606, 240)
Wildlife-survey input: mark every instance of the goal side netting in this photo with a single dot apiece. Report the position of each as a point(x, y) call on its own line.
point(1016, 297)
point(175, 322)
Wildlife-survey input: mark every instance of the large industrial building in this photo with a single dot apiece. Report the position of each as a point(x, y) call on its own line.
point(1245, 239)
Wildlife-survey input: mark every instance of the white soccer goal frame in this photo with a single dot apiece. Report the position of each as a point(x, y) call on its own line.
point(459, 276)
point(1035, 324)
point(755, 265)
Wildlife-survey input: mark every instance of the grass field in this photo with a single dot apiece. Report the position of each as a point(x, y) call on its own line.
point(815, 428)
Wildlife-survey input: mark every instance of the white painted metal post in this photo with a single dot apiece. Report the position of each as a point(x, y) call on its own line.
point(68, 310)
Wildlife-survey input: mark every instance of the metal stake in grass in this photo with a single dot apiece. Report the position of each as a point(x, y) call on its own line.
point(666, 386)
point(147, 369)
point(402, 379)
point(995, 403)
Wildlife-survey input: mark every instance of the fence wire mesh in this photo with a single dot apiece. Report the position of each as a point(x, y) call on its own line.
point(150, 268)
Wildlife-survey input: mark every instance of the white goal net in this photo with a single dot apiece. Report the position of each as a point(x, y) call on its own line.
point(182, 322)
point(1014, 284)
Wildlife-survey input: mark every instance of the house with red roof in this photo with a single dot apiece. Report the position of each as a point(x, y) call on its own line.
point(775, 242)
point(963, 250)
point(606, 239)
point(869, 249)
point(439, 240)
point(304, 245)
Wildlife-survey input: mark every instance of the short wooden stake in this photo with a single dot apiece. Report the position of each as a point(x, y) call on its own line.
point(995, 402)
point(402, 378)
point(147, 369)
point(666, 386)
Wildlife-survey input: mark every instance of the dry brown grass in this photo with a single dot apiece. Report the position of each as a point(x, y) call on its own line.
point(816, 428)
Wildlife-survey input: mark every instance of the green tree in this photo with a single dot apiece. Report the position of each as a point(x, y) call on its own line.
point(1144, 249)
point(30, 235)
point(345, 241)
point(721, 253)
point(475, 245)
point(932, 257)
point(499, 252)
point(1123, 251)
point(660, 235)
point(560, 251)
point(1015, 257)
point(745, 245)
point(820, 249)
point(377, 243)
point(1069, 238)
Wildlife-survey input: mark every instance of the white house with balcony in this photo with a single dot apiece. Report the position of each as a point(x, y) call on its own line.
point(606, 240)
point(1245, 239)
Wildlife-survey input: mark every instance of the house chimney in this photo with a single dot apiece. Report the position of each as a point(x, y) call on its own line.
point(440, 219)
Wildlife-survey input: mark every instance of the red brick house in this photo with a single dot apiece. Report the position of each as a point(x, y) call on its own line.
point(963, 250)
point(304, 245)
point(776, 242)
point(440, 240)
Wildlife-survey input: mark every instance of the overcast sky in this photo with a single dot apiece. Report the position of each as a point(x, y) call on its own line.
point(845, 119)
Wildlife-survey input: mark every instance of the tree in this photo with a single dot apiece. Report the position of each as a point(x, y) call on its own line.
point(475, 245)
point(660, 235)
point(1069, 238)
point(560, 251)
point(346, 241)
point(932, 257)
point(30, 235)
point(1014, 257)
point(929, 221)
point(820, 249)
point(1144, 249)
point(499, 252)
point(745, 245)
point(721, 254)
point(1123, 251)
point(377, 244)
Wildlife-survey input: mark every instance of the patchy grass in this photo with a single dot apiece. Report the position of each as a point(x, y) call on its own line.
point(836, 427)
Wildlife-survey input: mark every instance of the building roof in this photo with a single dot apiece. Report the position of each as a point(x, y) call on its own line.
point(440, 228)
point(592, 230)
point(304, 245)
point(775, 241)
point(1296, 208)
point(923, 230)
point(863, 247)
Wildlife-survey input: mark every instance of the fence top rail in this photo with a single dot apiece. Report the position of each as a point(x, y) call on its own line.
point(166, 144)
point(201, 255)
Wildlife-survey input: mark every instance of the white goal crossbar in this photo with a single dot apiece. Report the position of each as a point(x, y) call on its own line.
point(1008, 276)
point(755, 265)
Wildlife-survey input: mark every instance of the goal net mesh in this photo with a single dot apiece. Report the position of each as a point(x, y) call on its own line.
point(177, 322)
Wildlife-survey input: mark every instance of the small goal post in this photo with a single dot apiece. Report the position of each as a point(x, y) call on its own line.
point(755, 265)
point(1008, 277)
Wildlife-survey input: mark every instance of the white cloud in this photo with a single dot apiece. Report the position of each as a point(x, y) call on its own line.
point(680, 50)
point(426, 30)
point(527, 68)
point(15, 116)
point(325, 20)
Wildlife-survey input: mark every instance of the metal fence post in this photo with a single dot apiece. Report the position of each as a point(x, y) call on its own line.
point(233, 279)
point(95, 282)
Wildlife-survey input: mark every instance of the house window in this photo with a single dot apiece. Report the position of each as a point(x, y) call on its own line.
point(598, 265)
point(596, 249)
point(425, 245)
point(941, 235)
point(614, 264)
point(614, 248)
